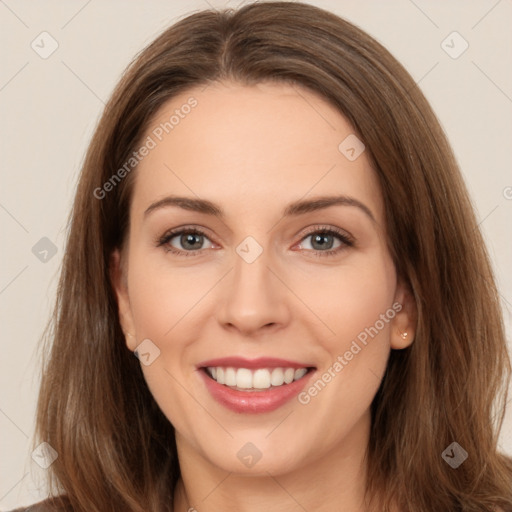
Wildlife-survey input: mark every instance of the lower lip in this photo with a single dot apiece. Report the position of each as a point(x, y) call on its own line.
point(254, 401)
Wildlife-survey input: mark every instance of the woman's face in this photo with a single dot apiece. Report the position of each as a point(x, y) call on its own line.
point(257, 254)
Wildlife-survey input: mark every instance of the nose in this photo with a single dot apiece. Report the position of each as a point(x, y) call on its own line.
point(254, 297)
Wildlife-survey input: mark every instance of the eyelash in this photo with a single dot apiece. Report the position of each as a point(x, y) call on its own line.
point(345, 239)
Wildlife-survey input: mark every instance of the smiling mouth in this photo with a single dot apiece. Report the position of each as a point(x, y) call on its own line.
point(255, 380)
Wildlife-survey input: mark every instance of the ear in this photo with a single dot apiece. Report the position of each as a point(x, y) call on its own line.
point(119, 282)
point(403, 325)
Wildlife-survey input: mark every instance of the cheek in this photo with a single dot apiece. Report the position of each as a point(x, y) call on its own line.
point(350, 298)
point(162, 304)
point(355, 302)
point(161, 297)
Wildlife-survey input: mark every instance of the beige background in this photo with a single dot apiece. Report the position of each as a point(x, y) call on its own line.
point(50, 106)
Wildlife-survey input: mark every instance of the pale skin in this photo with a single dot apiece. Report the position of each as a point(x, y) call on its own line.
point(252, 151)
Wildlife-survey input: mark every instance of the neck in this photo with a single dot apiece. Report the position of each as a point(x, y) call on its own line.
point(333, 481)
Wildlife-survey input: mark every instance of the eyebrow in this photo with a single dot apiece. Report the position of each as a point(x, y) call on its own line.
point(295, 208)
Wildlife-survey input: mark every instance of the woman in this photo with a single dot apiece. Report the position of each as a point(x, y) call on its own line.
point(271, 219)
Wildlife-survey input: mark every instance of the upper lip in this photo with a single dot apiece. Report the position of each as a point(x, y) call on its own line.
point(260, 362)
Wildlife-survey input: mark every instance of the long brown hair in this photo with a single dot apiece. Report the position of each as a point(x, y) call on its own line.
point(116, 449)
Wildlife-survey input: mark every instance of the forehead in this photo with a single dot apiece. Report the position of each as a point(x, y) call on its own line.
point(266, 144)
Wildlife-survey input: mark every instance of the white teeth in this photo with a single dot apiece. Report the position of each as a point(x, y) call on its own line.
point(289, 374)
point(261, 378)
point(243, 378)
point(230, 377)
point(277, 378)
point(300, 373)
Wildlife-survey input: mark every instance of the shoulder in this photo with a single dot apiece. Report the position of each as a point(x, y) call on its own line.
point(48, 505)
